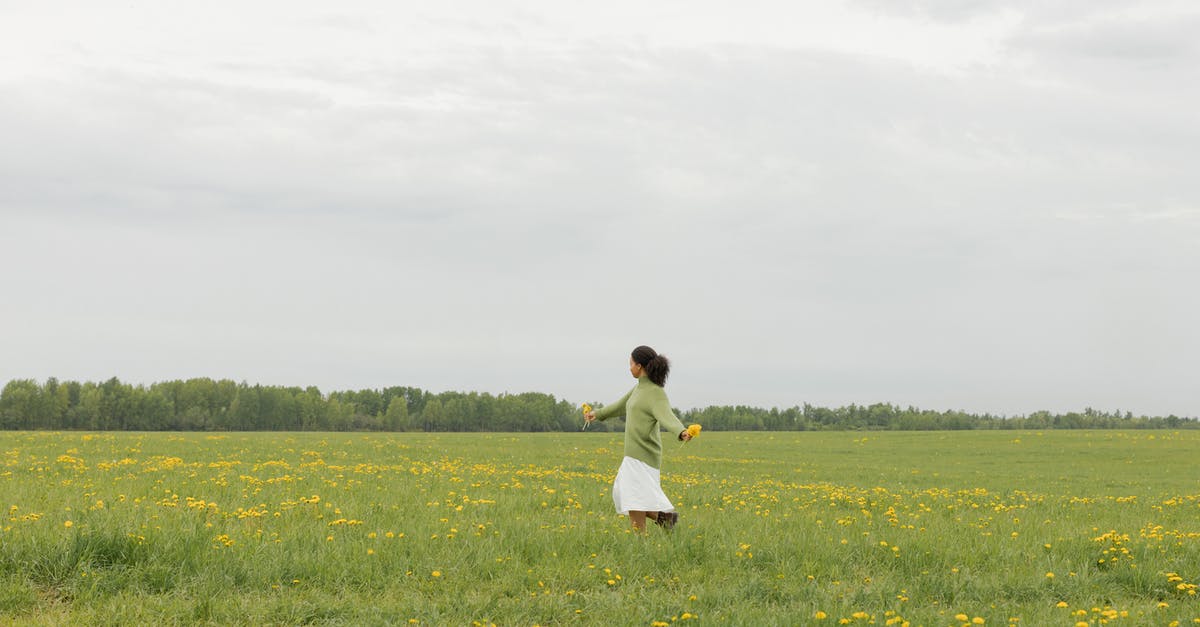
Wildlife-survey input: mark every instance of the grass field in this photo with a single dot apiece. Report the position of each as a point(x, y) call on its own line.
point(875, 528)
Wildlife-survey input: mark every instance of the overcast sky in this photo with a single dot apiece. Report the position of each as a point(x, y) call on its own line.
point(980, 205)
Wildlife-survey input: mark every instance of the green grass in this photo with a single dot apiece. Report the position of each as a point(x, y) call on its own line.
point(451, 529)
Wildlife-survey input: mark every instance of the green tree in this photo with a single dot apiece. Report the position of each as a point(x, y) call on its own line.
point(397, 418)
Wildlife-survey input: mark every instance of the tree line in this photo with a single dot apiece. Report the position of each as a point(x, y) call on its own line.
point(204, 404)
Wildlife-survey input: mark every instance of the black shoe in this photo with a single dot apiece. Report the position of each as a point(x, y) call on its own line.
point(667, 520)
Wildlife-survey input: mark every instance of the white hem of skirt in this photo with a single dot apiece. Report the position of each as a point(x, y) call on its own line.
point(637, 488)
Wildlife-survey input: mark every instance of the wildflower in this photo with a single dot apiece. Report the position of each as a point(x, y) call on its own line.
point(68, 524)
point(587, 409)
point(1061, 604)
point(962, 618)
point(436, 573)
point(1049, 575)
point(978, 620)
point(819, 615)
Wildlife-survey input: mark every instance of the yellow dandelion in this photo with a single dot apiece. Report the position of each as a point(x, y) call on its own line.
point(819, 615)
point(962, 618)
point(1049, 575)
point(1061, 604)
point(68, 524)
point(436, 573)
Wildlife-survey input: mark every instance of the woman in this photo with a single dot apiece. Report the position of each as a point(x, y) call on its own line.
point(636, 490)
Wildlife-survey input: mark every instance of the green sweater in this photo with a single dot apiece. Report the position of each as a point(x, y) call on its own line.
point(646, 410)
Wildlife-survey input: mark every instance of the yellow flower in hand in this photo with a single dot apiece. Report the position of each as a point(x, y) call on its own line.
point(587, 409)
point(692, 431)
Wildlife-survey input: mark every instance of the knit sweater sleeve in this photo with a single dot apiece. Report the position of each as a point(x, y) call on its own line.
point(615, 409)
point(665, 417)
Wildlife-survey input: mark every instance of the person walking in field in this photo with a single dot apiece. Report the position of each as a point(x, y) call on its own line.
point(636, 490)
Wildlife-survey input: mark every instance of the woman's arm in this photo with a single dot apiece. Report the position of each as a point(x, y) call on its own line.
point(667, 418)
point(614, 410)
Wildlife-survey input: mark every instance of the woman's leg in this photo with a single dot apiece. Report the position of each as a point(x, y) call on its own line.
point(638, 519)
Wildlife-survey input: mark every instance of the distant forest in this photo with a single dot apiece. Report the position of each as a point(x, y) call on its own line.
point(209, 405)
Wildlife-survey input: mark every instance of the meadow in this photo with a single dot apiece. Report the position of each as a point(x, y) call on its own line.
point(809, 528)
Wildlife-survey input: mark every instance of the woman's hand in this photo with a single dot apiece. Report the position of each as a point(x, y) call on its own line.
point(684, 436)
point(589, 416)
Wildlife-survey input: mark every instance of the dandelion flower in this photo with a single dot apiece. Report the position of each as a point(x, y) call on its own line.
point(436, 573)
point(68, 524)
point(692, 431)
point(819, 615)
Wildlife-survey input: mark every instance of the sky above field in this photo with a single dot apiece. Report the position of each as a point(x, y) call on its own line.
point(984, 205)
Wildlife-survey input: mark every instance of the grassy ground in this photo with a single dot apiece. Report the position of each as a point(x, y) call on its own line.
point(1053, 528)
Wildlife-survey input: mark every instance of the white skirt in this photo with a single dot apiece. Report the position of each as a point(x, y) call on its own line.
point(637, 489)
